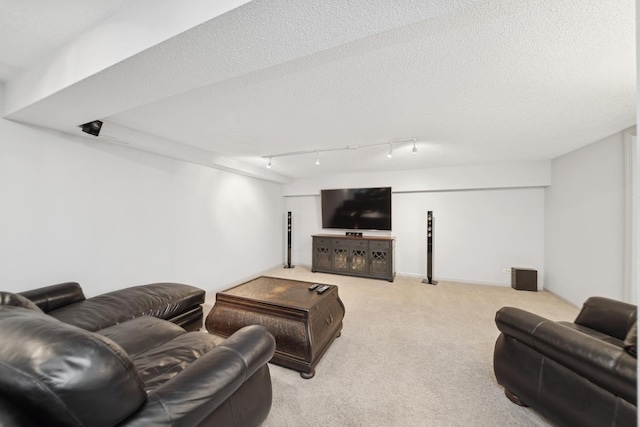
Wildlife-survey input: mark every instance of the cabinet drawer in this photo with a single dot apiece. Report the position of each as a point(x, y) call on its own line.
point(352, 243)
point(359, 243)
point(384, 244)
point(321, 241)
point(340, 242)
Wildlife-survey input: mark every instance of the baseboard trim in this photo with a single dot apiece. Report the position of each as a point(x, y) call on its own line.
point(562, 299)
point(455, 280)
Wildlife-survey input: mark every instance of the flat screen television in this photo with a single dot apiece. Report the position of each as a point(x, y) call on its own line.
point(357, 208)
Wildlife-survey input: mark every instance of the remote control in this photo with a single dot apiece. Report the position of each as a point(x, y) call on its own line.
point(323, 289)
point(312, 287)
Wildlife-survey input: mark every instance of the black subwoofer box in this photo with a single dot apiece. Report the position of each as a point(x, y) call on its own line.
point(524, 279)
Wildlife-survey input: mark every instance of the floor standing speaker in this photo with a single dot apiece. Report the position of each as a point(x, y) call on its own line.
point(288, 264)
point(430, 232)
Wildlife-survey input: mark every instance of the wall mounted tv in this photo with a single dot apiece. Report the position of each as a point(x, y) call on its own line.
point(357, 208)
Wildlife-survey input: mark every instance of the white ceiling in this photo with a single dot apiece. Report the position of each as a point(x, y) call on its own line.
point(32, 29)
point(473, 81)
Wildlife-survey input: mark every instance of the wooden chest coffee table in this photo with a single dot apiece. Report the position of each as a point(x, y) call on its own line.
point(303, 322)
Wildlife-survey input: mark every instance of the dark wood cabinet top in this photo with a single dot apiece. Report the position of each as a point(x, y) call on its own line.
point(339, 236)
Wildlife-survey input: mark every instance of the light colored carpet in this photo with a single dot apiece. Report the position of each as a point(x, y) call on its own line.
point(410, 354)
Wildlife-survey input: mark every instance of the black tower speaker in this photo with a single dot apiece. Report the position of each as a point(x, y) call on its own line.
point(288, 264)
point(430, 231)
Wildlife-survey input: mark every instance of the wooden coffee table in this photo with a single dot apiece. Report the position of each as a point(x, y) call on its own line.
point(303, 322)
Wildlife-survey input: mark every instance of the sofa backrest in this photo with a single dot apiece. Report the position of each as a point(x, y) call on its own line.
point(62, 375)
point(611, 317)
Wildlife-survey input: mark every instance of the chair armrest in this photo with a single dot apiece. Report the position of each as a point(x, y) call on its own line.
point(518, 323)
point(193, 394)
point(52, 297)
point(608, 316)
point(601, 362)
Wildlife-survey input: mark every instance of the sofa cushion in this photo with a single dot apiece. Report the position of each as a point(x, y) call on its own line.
point(161, 300)
point(631, 340)
point(159, 364)
point(63, 375)
point(141, 334)
point(7, 298)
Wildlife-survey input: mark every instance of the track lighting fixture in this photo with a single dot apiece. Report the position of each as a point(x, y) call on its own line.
point(269, 157)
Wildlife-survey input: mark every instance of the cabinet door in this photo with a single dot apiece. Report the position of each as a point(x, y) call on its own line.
point(359, 256)
point(340, 258)
point(380, 262)
point(321, 255)
point(350, 256)
point(359, 260)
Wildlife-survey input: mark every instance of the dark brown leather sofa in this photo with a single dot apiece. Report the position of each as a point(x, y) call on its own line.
point(64, 369)
point(574, 374)
point(175, 302)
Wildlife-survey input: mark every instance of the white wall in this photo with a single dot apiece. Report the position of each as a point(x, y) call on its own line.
point(72, 209)
point(635, 264)
point(630, 233)
point(446, 178)
point(478, 232)
point(585, 222)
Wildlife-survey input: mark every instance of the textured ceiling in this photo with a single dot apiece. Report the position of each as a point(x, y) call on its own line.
point(32, 29)
point(474, 81)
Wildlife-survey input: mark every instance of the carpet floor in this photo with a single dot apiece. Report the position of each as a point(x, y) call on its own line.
point(410, 354)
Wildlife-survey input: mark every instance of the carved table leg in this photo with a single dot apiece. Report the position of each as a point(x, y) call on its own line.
point(308, 375)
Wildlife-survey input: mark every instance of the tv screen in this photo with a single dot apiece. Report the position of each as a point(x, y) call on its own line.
point(357, 208)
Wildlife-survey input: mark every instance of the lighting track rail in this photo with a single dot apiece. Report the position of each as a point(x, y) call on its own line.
point(317, 151)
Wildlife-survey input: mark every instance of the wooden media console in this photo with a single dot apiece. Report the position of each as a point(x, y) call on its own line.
point(371, 257)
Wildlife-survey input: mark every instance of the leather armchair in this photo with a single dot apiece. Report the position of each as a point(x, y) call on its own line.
point(146, 371)
point(581, 373)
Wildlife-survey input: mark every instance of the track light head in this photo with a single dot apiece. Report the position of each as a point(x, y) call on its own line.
point(269, 163)
point(317, 158)
point(415, 150)
point(390, 153)
point(92, 128)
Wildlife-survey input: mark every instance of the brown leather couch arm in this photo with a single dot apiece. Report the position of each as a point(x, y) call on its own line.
point(192, 396)
point(52, 297)
point(601, 362)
